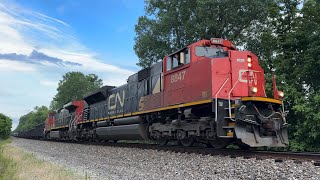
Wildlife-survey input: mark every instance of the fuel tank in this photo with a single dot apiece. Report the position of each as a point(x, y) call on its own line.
point(128, 120)
point(124, 132)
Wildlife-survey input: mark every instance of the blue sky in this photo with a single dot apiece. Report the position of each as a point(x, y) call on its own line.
point(42, 40)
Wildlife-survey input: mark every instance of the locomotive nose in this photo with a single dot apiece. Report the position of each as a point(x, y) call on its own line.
point(257, 127)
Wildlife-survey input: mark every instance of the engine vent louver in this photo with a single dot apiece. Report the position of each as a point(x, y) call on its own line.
point(143, 74)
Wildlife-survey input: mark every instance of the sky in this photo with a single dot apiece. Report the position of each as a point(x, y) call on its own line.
point(40, 40)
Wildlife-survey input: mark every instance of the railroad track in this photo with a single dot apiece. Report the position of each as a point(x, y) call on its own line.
point(297, 157)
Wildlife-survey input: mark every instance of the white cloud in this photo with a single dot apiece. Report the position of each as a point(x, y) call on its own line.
point(6, 29)
point(33, 83)
point(7, 65)
point(49, 64)
point(49, 83)
point(88, 61)
point(24, 30)
point(44, 17)
point(11, 40)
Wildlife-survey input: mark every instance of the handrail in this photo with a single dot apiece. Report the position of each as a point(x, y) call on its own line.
point(72, 122)
point(80, 114)
point(229, 95)
point(216, 99)
point(264, 90)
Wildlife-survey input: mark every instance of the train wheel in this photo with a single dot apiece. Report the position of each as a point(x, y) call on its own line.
point(162, 141)
point(219, 144)
point(187, 142)
point(178, 143)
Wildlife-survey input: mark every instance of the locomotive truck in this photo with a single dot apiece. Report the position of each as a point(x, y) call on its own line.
point(208, 92)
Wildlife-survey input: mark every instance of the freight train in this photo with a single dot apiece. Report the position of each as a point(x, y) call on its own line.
point(35, 133)
point(208, 92)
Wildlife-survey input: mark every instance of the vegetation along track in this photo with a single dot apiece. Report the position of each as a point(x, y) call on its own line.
point(297, 157)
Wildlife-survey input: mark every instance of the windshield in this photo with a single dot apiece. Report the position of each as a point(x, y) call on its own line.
point(208, 51)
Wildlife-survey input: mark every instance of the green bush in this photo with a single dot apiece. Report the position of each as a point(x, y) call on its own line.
point(5, 126)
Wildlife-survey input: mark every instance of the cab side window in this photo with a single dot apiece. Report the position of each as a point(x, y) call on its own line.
point(187, 56)
point(184, 57)
point(178, 59)
point(175, 61)
point(169, 63)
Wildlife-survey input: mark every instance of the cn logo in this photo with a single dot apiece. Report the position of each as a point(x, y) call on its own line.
point(250, 76)
point(116, 98)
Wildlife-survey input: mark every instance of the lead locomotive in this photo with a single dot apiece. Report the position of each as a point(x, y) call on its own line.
point(208, 92)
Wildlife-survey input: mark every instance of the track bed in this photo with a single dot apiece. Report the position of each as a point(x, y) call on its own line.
point(110, 162)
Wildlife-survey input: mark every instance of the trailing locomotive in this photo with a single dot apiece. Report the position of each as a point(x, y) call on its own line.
point(207, 92)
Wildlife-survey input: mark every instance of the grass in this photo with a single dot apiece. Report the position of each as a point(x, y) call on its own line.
point(18, 164)
point(7, 166)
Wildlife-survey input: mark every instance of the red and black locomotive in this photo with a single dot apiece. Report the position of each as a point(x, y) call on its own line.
point(207, 92)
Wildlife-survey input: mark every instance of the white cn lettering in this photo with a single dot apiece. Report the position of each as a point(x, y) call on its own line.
point(117, 99)
point(251, 74)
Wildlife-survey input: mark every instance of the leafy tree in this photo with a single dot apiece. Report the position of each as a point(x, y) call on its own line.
point(35, 117)
point(296, 61)
point(5, 126)
point(305, 78)
point(285, 34)
point(290, 46)
point(73, 86)
point(170, 25)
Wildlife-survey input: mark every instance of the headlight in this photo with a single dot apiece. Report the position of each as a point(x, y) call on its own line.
point(249, 65)
point(281, 94)
point(249, 59)
point(254, 90)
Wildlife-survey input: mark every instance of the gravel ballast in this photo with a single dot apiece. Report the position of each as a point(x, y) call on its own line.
point(104, 162)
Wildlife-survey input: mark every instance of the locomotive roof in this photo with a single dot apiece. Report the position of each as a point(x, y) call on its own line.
point(97, 95)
